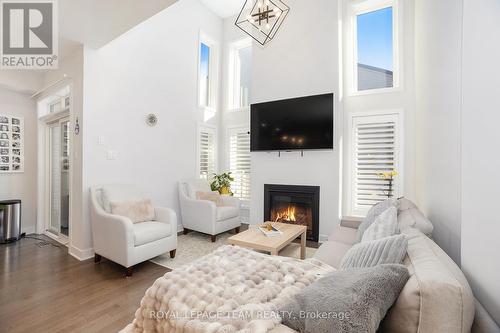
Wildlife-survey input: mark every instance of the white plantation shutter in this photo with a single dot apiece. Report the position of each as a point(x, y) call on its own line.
point(206, 151)
point(239, 162)
point(375, 148)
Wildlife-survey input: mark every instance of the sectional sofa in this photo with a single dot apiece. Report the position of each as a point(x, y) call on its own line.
point(436, 298)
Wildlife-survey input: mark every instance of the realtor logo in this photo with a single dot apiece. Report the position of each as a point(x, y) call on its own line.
point(28, 34)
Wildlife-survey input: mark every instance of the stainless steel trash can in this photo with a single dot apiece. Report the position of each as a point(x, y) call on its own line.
point(10, 220)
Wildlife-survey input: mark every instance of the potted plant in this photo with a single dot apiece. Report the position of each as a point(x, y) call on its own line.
point(222, 183)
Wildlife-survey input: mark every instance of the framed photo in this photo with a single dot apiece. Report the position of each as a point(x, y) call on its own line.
point(11, 144)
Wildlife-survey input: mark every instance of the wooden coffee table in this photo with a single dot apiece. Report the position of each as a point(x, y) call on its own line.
point(253, 238)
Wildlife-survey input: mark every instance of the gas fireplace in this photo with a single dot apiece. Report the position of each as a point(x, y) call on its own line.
point(293, 204)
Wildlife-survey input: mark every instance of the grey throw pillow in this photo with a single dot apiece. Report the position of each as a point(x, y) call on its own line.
point(372, 215)
point(388, 250)
point(352, 300)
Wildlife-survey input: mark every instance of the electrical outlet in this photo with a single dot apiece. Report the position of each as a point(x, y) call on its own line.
point(112, 155)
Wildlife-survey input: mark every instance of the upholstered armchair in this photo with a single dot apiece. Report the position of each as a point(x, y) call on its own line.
point(205, 216)
point(118, 239)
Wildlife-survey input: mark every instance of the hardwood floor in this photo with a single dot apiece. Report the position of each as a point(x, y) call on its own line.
point(44, 289)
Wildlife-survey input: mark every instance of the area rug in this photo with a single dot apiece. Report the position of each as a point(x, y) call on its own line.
point(195, 245)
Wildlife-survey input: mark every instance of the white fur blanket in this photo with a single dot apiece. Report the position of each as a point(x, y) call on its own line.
point(230, 290)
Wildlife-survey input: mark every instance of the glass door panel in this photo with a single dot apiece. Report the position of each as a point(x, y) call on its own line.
point(59, 163)
point(65, 126)
point(55, 177)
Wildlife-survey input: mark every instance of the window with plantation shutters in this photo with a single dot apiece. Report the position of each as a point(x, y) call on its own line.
point(206, 152)
point(239, 162)
point(375, 148)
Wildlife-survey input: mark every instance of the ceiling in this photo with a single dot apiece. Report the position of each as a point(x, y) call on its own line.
point(224, 8)
point(97, 22)
point(93, 23)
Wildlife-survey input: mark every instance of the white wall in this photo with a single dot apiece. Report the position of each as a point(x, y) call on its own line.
point(152, 68)
point(480, 159)
point(438, 88)
point(458, 102)
point(302, 60)
point(22, 185)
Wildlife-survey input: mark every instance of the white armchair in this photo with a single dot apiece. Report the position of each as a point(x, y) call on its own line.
point(118, 239)
point(204, 216)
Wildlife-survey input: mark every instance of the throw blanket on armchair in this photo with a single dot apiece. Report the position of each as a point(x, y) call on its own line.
point(230, 290)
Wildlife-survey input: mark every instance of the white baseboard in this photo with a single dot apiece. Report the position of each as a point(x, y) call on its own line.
point(29, 229)
point(81, 254)
point(323, 238)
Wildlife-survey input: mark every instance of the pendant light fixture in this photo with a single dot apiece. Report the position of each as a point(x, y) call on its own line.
point(261, 19)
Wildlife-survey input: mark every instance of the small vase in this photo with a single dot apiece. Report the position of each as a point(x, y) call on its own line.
point(224, 190)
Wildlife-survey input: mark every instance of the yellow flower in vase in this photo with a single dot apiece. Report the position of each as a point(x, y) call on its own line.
point(389, 177)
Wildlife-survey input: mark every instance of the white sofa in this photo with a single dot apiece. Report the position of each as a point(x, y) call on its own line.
point(436, 298)
point(204, 216)
point(118, 239)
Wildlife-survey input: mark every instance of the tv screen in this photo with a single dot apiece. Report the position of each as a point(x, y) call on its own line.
point(292, 124)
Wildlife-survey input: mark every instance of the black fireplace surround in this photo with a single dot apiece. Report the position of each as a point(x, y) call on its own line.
point(293, 204)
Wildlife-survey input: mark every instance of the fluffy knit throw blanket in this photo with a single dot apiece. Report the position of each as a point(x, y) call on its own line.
point(230, 290)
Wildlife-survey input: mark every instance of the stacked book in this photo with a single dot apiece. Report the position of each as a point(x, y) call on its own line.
point(271, 231)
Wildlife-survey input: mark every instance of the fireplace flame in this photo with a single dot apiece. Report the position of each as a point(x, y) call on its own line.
point(286, 215)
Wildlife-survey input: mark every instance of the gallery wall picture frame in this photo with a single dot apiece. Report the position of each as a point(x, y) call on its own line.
point(11, 144)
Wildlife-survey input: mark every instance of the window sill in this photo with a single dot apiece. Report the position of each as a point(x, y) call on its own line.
point(375, 91)
point(352, 218)
point(207, 108)
point(246, 108)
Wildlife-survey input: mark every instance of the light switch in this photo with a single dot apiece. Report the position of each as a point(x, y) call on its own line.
point(112, 155)
point(100, 140)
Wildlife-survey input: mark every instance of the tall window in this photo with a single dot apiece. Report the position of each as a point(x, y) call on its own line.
point(376, 52)
point(204, 74)
point(207, 73)
point(375, 148)
point(240, 72)
point(239, 162)
point(206, 152)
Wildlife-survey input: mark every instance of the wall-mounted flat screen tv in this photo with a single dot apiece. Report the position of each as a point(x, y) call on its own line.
point(293, 124)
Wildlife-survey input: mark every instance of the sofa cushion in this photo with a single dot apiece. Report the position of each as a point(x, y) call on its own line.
point(344, 235)
point(356, 299)
point(372, 215)
point(136, 211)
point(436, 298)
point(409, 216)
point(213, 196)
point(388, 250)
point(196, 185)
point(332, 252)
point(119, 193)
point(385, 225)
point(404, 204)
point(226, 212)
point(147, 232)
